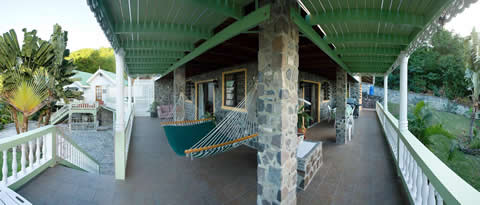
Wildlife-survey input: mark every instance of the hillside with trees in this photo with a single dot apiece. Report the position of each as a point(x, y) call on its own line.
point(89, 59)
point(438, 69)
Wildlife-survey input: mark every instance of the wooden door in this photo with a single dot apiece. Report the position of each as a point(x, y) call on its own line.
point(98, 93)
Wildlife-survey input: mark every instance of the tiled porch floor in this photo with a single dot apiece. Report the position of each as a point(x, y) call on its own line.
point(357, 173)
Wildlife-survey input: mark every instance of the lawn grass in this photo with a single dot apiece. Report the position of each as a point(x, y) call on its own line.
point(466, 166)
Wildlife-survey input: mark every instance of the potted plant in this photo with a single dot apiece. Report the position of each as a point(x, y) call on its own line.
point(153, 109)
point(303, 118)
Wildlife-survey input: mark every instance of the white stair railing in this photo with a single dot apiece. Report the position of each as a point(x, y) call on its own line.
point(427, 180)
point(30, 153)
point(71, 153)
point(60, 113)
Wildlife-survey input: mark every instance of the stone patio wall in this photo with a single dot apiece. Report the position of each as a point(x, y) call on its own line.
point(164, 90)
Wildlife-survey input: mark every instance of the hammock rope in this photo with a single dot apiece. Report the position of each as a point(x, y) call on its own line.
point(236, 128)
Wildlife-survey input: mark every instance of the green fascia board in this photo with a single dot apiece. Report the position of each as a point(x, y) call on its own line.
point(149, 60)
point(368, 70)
point(366, 16)
point(151, 65)
point(153, 54)
point(369, 64)
point(157, 45)
point(224, 7)
point(103, 18)
point(377, 59)
point(394, 39)
point(369, 51)
point(176, 29)
point(311, 34)
point(247, 22)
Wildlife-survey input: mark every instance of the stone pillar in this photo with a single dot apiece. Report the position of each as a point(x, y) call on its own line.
point(277, 105)
point(341, 103)
point(360, 94)
point(385, 92)
point(179, 93)
point(120, 117)
point(403, 120)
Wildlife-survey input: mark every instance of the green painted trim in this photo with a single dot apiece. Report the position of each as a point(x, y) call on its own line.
point(375, 59)
point(70, 165)
point(148, 65)
point(176, 29)
point(311, 34)
point(358, 16)
point(31, 175)
point(133, 61)
point(452, 188)
point(225, 7)
point(393, 39)
point(369, 51)
point(230, 31)
point(153, 54)
point(157, 45)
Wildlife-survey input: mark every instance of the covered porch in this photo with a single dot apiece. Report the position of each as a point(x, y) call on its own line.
point(155, 175)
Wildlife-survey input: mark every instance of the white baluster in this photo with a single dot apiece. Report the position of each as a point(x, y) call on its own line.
point(400, 157)
point(408, 171)
point(431, 194)
point(44, 149)
point(439, 198)
point(23, 159)
point(4, 167)
point(414, 180)
point(30, 154)
point(419, 184)
point(37, 152)
point(14, 162)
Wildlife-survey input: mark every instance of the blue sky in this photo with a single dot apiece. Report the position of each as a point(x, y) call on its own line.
point(84, 32)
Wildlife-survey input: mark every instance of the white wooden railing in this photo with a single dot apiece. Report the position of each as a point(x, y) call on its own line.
point(129, 117)
point(60, 112)
point(69, 152)
point(30, 153)
point(427, 180)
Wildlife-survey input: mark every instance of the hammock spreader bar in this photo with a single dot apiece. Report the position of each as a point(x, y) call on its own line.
point(189, 151)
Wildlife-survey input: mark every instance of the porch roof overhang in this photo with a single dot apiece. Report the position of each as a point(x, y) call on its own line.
point(360, 37)
point(369, 36)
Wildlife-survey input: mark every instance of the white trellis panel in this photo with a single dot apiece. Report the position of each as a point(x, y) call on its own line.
point(143, 92)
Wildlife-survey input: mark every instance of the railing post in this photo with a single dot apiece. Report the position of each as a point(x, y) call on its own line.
point(119, 139)
point(403, 121)
point(52, 149)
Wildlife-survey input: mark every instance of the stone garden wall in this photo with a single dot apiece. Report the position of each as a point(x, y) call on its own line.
point(434, 102)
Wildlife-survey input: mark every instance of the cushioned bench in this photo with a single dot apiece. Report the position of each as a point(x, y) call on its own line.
point(309, 160)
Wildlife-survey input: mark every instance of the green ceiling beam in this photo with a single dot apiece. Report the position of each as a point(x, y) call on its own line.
point(176, 29)
point(378, 59)
point(149, 60)
point(225, 7)
point(153, 71)
point(157, 45)
point(148, 65)
point(153, 54)
point(369, 51)
point(247, 22)
point(370, 64)
point(358, 16)
point(394, 39)
point(369, 70)
point(311, 34)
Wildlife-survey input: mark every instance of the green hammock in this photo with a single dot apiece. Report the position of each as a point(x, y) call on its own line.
point(183, 137)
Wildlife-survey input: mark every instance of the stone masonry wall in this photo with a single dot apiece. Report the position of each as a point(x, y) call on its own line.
point(276, 106)
point(341, 101)
point(179, 93)
point(438, 103)
point(164, 90)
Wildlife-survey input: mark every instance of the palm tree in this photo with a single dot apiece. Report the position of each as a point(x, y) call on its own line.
point(472, 62)
point(23, 72)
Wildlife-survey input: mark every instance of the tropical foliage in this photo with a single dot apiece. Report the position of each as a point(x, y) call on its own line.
point(420, 124)
point(90, 60)
point(472, 63)
point(32, 76)
point(436, 69)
